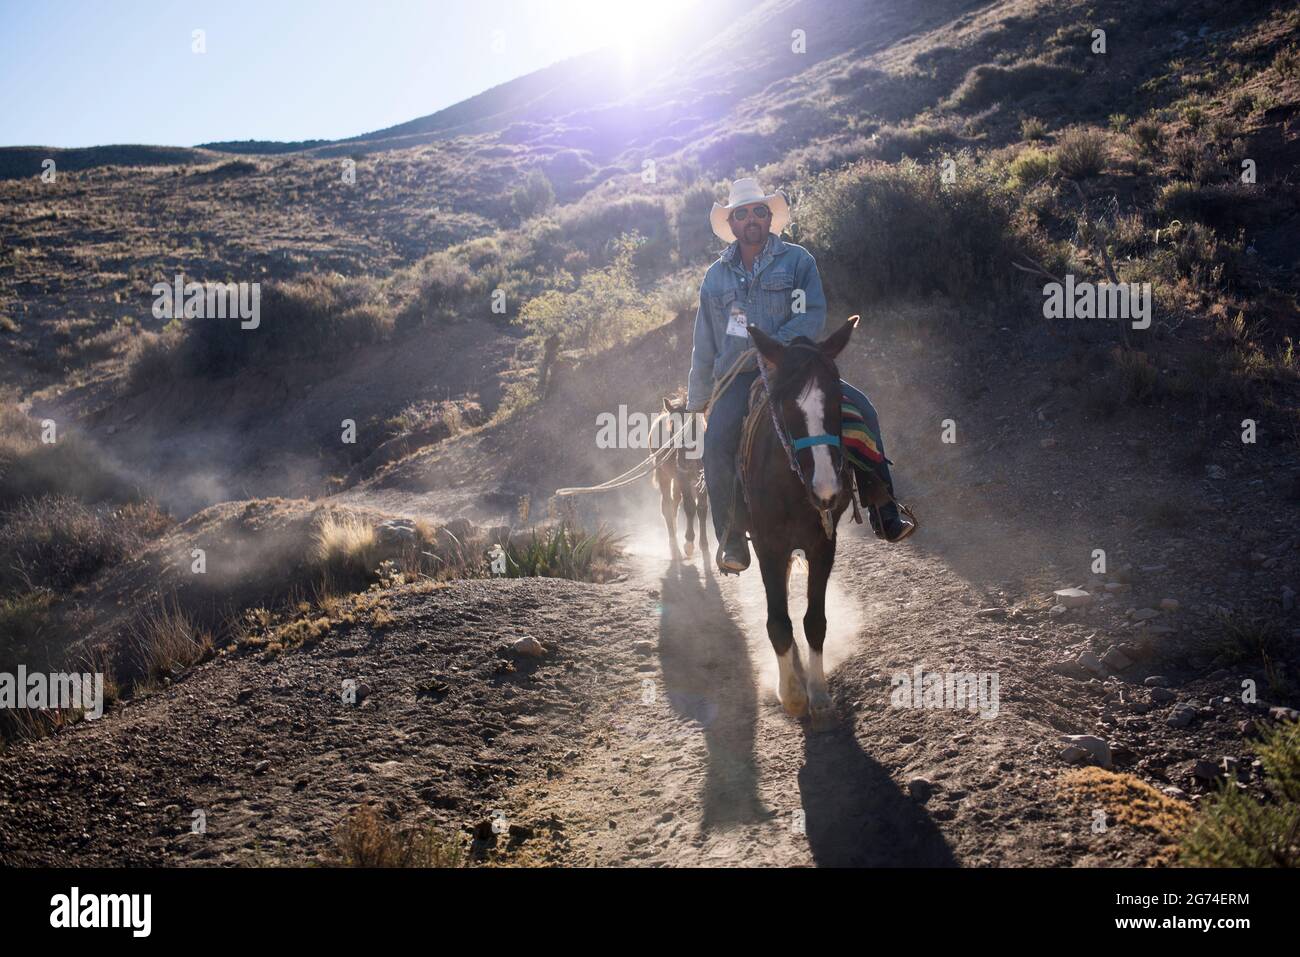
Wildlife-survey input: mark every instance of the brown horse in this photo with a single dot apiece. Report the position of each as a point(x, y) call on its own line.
point(797, 487)
point(679, 478)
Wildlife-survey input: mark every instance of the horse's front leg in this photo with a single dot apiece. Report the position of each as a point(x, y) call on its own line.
point(780, 631)
point(668, 506)
point(702, 511)
point(820, 560)
point(688, 503)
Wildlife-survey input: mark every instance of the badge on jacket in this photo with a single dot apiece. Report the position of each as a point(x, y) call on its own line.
point(737, 324)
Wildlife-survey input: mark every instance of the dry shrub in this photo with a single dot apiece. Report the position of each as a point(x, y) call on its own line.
point(1178, 200)
point(990, 83)
point(1129, 802)
point(365, 839)
point(346, 550)
point(167, 641)
point(437, 288)
point(315, 316)
point(28, 632)
point(690, 223)
point(1193, 158)
point(1032, 128)
point(30, 468)
point(1082, 153)
point(1148, 136)
point(594, 227)
point(1139, 378)
point(153, 359)
point(891, 231)
point(55, 541)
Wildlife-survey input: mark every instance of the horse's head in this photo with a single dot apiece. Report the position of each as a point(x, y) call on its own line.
point(805, 388)
point(677, 421)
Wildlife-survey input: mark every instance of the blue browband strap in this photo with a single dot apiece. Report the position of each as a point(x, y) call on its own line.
point(811, 440)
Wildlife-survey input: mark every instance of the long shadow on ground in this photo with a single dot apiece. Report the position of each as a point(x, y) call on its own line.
point(709, 678)
point(856, 816)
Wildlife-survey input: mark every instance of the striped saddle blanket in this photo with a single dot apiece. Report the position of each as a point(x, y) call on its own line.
point(861, 447)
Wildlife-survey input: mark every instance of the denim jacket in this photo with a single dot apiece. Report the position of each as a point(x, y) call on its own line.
point(766, 300)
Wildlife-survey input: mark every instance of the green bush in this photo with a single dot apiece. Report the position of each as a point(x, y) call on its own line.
point(1233, 829)
point(1031, 167)
point(990, 83)
point(563, 550)
point(890, 231)
point(595, 227)
point(604, 308)
point(535, 196)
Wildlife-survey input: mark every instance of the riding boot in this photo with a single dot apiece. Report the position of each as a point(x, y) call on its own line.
point(734, 555)
point(886, 520)
point(733, 551)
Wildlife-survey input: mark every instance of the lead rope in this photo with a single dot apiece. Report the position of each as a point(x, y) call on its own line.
point(653, 460)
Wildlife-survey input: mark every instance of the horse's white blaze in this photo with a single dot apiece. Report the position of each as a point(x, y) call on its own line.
point(825, 480)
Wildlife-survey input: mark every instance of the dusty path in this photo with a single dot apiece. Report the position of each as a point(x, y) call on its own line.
point(696, 763)
point(692, 761)
point(649, 733)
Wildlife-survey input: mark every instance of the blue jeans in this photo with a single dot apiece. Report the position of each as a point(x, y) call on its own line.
point(722, 441)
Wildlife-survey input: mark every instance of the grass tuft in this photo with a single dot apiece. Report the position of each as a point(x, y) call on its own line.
point(365, 839)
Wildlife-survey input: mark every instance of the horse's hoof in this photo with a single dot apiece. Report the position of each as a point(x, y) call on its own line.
point(795, 702)
point(821, 714)
point(795, 709)
point(690, 551)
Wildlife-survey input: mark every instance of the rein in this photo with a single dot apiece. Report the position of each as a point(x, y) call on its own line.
point(660, 455)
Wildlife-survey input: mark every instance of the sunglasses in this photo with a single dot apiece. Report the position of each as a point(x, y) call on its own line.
point(742, 214)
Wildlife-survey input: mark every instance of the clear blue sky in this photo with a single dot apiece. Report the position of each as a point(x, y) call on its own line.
point(90, 72)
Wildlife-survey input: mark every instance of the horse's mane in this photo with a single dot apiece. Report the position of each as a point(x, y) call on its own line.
point(794, 370)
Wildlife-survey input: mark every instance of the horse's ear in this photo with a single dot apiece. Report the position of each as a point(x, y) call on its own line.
point(767, 347)
point(834, 344)
point(668, 403)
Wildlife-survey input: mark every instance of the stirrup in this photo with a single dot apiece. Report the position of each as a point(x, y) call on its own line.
point(723, 569)
point(909, 529)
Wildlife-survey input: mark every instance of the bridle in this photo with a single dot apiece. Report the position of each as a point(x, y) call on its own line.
point(794, 446)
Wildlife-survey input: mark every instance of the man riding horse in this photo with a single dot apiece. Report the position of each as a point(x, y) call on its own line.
point(761, 281)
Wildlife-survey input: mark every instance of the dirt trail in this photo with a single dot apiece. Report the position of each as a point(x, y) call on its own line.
point(648, 734)
point(692, 761)
point(698, 765)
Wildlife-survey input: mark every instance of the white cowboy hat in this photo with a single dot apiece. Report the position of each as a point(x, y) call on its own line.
point(743, 193)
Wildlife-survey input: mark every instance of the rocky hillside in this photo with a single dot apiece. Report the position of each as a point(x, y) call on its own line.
point(1108, 512)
